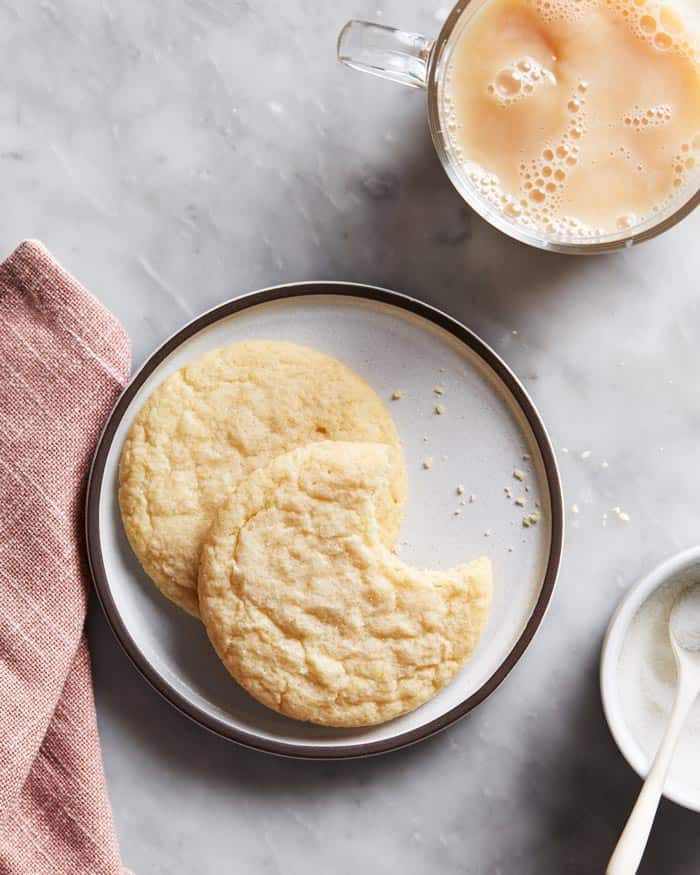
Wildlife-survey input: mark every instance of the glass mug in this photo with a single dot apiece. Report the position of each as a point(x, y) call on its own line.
point(419, 62)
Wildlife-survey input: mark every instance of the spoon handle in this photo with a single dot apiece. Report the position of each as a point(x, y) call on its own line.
point(630, 847)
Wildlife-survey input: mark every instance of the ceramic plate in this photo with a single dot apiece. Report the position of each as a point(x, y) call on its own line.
point(488, 428)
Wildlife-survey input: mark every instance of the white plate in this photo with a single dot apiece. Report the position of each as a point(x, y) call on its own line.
point(488, 427)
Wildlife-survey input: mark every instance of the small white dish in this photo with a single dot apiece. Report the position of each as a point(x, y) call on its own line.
point(489, 427)
point(684, 794)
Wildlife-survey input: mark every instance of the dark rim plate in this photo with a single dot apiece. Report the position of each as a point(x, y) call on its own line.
point(99, 574)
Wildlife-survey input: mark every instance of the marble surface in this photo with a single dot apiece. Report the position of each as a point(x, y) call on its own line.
point(175, 154)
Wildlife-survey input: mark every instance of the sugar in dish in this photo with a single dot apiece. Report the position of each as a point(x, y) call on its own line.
point(646, 680)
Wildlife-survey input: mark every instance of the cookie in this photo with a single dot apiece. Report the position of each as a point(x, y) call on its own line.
point(308, 609)
point(214, 422)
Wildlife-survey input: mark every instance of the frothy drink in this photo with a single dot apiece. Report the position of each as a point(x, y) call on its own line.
point(576, 118)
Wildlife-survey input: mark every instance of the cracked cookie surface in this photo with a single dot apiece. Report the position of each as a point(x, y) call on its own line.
point(311, 613)
point(216, 420)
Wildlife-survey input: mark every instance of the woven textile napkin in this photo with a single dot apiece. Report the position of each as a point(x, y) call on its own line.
point(63, 361)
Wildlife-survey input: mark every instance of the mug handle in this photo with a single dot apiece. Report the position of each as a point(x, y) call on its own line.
point(386, 51)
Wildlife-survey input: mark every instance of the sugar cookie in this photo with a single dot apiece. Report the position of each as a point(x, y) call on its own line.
point(216, 420)
point(311, 613)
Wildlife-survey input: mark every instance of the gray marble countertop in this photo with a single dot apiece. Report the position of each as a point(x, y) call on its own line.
point(172, 155)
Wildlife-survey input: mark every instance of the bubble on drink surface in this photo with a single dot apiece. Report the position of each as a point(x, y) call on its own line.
point(660, 24)
point(508, 83)
point(544, 177)
point(563, 10)
point(519, 80)
point(684, 167)
point(653, 116)
point(628, 220)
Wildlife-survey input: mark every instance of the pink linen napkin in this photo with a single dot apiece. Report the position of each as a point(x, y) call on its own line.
point(63, 362)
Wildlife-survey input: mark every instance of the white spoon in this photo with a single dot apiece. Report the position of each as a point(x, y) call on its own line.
point(684, 631)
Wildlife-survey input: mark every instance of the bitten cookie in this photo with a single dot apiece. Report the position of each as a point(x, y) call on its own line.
point(216, 420)
point(311, 613)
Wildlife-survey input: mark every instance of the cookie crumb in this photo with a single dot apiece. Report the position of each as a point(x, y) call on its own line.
point(460, 489)
point(621, 514)
point(507, 491)
point(472, 499)
point(439, 409)
point(565, 449)
point(574, 508)
point(585, 454)
point(530, 519)
point(428, 463)
point(439, 390)
point(510, 549)
point(487, 533)
point(520, 501)
point(514, 331)
point(526, 457)
point(456, 512)
point(425, 438)
point(397, 394)
point(518, 474)
point(604, 464)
